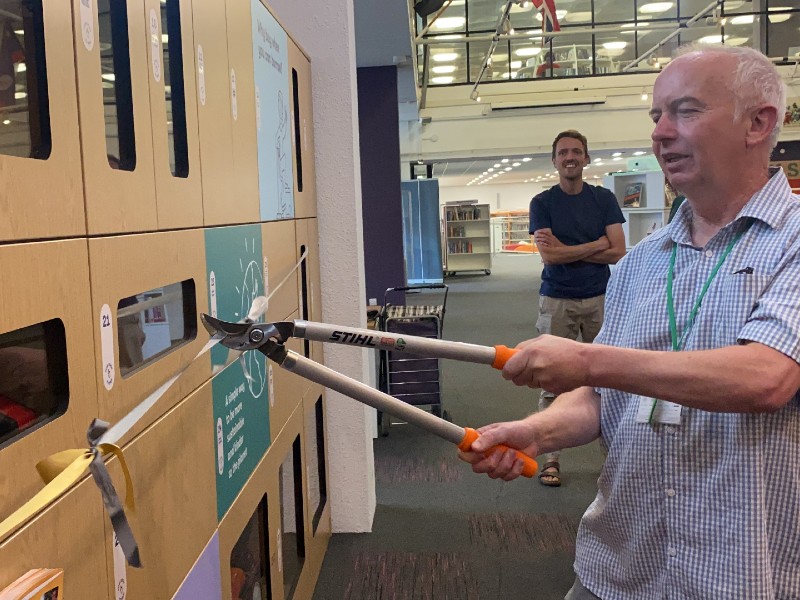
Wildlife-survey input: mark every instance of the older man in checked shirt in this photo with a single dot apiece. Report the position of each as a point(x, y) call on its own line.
point(692, 384)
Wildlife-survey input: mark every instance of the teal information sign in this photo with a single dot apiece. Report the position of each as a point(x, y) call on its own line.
point(241, 424)
point(234, 267)
point(274, 128)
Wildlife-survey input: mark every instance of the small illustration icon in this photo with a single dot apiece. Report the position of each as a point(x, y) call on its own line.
point(400, 344)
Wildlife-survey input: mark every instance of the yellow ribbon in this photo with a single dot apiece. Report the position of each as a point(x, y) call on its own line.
point(60, 472)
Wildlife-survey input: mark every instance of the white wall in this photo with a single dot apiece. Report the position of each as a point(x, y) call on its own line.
point(326, 33)
point(499, 196)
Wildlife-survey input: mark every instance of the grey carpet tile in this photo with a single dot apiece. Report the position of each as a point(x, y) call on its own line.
point(524, 532)
point(413, 576)
point(418, 469)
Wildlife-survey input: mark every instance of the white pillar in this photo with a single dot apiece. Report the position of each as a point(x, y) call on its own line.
point(325, 30)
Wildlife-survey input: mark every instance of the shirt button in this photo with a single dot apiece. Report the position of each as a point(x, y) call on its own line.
point(672, 551)
point(709, 253)
point(670, 429)
point(670, 492)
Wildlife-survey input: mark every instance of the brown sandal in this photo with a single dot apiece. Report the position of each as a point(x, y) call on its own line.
point(553, 476)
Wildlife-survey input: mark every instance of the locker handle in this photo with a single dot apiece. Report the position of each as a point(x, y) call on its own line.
point(529, 467)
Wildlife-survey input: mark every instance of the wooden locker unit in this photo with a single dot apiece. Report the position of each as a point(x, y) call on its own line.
point(70, 534)
point(263, 482)
point(318, 522)
point(172, 467)
point(306, 232)
point(280, 255)
point(243, 189)
point(43, 198)
point(44, 281)
point(278, 239)
point(214, 115)
point(305, 200)
point(123, 266)
point(286, 389)
point(179, 195)
point(117, 200)
point(291, 437)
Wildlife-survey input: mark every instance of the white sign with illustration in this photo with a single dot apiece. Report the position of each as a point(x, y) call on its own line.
point(271, 72)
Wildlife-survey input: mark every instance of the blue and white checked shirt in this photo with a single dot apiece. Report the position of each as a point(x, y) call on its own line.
point(708, 509)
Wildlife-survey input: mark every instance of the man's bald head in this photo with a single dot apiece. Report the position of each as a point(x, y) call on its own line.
point(752, 79)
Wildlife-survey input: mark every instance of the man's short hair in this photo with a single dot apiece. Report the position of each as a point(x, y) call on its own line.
point(755, 80)
point(571, 133)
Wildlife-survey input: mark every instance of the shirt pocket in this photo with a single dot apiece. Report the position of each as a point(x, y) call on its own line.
point(737, 299)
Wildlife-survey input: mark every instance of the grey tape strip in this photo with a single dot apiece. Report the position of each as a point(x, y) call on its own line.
point(110, 497)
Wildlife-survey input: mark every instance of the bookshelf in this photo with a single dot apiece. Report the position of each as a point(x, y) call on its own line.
point(467, 237)
point(647, 214)
point(513, 231)
point(569, 61)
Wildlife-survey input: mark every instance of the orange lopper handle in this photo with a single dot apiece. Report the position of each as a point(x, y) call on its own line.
point(470, 435)
point(503, 353)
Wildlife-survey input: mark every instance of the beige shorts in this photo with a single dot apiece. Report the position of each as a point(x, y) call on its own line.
point(571, 318)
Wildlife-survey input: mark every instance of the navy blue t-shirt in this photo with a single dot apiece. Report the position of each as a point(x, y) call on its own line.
point(574, 220)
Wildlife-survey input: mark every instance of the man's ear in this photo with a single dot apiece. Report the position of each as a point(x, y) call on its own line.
point(762, 122)
point(587, 159)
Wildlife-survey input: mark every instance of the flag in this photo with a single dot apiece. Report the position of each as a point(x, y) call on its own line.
point(549, 18)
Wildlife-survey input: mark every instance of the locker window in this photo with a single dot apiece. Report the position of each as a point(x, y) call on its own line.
point(34, 382)
point(154, 323)
point(298, 146)
point(250, 577)
point(292, 529)
point(174, 90)
point(304, 300)
point(115, 75)
point(24, 95)
point(317, 481)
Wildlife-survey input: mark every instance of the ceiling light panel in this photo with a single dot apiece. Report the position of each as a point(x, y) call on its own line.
point(779, 18)
point(448, 23)
point(656, 8)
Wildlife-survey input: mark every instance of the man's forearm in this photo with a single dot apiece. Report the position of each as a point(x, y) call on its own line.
point(744, 378)
point(573, 419)
point(611, 256)
point(559, 255)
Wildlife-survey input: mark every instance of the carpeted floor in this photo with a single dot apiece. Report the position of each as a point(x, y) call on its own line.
point(440, 531)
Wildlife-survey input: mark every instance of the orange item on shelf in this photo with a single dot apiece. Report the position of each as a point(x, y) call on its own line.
point(238, 578)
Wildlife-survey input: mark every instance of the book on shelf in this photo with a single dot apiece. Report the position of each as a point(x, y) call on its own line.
point(459, 247)
point(36, 584)
point(463, 213)
point(633, 195)
point(456, 231)
point(669, 196)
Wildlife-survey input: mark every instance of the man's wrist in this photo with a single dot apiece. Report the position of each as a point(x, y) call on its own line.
point(537, 428)
point(590, 362)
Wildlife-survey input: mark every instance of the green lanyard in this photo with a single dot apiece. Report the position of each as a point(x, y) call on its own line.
point(678, 342)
